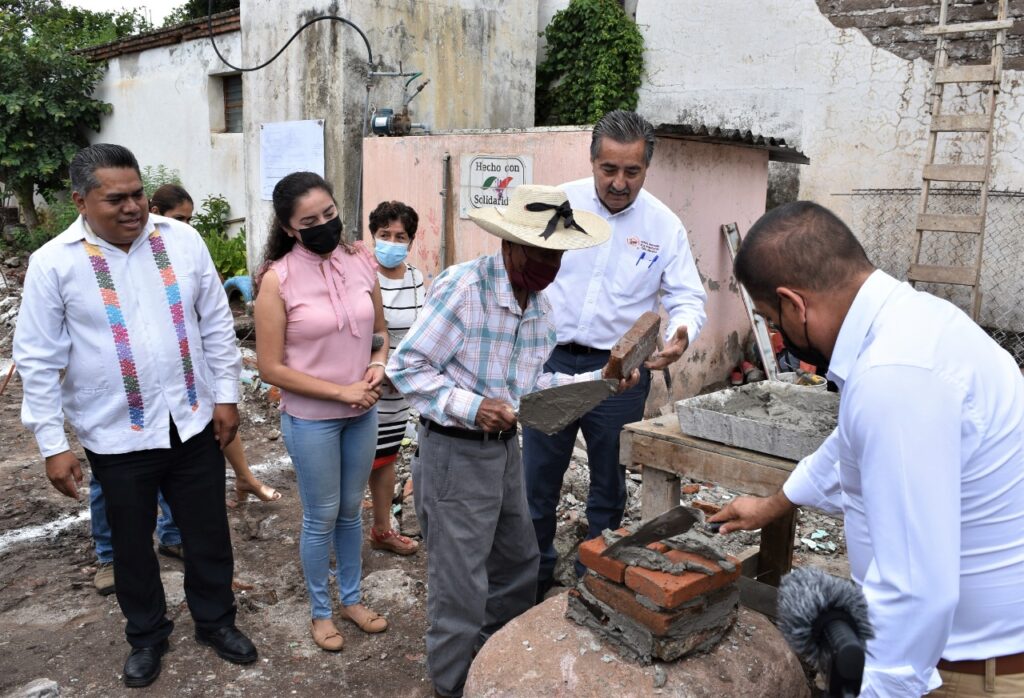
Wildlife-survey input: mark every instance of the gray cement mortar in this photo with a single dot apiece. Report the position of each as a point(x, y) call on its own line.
point(551, 410)
point(768, 417)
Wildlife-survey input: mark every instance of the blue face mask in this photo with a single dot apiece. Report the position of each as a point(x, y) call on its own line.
point(390, 254)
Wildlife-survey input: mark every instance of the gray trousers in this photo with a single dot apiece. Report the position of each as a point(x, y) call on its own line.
point(482, 553)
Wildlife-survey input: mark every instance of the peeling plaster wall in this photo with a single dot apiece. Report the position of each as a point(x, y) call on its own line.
point(168, 110)
point(706, 185)
point(480, 57)
point(780, 67)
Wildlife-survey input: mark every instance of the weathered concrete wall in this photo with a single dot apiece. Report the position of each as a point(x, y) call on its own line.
point(706, 185)
point(480, 56)
point(168, 110)
point(781, 67)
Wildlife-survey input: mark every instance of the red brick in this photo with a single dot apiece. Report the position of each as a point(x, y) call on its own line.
point(635, 346)
point(707, 507)
point(407, 490)
point(691, 489)
point(590, 556)
point(671, 590)
point(624, 601)
point(274, 394)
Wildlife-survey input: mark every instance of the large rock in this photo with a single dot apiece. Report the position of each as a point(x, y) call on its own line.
point(542, 653)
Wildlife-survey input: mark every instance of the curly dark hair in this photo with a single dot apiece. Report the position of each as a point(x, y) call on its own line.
point(290, 189)
point(388, 211)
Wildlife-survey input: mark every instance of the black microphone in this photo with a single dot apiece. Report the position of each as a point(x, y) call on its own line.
point(825, 620)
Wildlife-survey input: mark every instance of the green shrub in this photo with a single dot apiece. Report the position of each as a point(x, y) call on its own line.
point(594, 64)
point(155, 177)
point(228, 253)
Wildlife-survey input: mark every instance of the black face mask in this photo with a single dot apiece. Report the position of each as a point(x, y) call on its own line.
point(808, 354)
point(323, 238)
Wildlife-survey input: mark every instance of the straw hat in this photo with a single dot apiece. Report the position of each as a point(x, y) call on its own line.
point(540, 216)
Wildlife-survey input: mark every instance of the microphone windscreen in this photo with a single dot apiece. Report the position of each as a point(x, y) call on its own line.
point(807, 595)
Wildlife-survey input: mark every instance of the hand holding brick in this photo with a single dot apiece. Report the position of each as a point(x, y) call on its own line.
point(630, 352)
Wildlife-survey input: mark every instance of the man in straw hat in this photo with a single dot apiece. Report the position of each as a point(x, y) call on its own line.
point(478, 346)
point(597, 297)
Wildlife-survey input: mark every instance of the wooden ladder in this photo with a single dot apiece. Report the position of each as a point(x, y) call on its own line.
point(988, 75)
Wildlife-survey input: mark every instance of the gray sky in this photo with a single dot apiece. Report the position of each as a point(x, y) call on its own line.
point(156, 10)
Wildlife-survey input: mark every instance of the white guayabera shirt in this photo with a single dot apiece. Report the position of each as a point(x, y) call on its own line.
point(930, 479)
point(143, 337)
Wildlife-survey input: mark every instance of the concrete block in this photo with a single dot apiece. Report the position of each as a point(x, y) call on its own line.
point(639, 342)
point(768, 417)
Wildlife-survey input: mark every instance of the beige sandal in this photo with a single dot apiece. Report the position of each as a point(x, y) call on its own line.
point(327, 638)
point(369, 622)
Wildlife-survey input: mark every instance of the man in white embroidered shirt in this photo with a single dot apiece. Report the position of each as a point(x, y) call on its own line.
point(598, 295)
point(930, 452)
point(129, 305)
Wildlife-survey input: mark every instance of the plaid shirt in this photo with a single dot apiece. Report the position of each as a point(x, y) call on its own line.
point(473, 341)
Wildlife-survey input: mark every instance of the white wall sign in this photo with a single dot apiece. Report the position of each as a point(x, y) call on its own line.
point(486, 180)
point(289, 146)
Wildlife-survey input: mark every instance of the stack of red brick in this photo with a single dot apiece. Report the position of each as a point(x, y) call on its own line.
point(649, 614)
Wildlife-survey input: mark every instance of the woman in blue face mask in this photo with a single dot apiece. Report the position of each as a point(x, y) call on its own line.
point(393, 226)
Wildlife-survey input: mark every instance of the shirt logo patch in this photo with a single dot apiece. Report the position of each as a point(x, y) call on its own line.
point(643, 245)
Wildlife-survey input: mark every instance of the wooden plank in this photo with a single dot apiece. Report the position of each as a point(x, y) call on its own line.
point(932, 274)
point(956, 173)
point(735, 473)
point(659, 493)
point(667, 429)
point(776, 556)
point(968, 27)
point(758, 596)
point(965, 73)
point(965, 123)
point(950, 223)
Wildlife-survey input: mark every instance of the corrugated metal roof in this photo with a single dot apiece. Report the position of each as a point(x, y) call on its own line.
point(776, 147)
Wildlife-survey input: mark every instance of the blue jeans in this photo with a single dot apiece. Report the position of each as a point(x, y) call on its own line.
point(332, 459)
point(166, 530)
point(546, 458)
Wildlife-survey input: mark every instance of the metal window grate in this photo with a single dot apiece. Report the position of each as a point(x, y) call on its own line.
point(232, 103)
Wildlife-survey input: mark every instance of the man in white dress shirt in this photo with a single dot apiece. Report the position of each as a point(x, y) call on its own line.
point(130, 307)
point(930, 454)
point(597, 296)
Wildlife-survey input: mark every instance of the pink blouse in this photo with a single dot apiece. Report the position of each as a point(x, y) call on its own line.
point(330, 323)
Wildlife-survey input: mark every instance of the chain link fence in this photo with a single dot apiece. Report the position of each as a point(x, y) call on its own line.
point(884, 220)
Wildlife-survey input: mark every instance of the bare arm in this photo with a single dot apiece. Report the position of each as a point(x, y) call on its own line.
point(375, 374)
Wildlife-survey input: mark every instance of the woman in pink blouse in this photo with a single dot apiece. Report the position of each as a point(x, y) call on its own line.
point(317, 309)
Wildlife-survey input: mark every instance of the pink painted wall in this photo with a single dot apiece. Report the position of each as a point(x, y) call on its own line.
point(705, 184)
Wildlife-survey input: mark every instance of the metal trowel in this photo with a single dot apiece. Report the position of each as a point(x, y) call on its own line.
point(551, 410)
point(677, 520)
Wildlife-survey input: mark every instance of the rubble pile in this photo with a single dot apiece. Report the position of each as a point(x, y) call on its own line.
point(665, 601)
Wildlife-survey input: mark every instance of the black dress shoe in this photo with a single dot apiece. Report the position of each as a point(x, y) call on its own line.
point(143, 665)
point(229, 643)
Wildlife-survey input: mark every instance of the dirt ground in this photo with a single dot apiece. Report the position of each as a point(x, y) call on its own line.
point(54, 625)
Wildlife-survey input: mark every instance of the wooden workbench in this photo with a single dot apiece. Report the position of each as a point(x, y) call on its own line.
point(663, 453)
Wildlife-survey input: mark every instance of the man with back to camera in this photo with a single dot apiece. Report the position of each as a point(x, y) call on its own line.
point(930, 453)
point(596, 297)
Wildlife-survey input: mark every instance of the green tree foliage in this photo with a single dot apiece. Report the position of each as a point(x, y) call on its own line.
point(197, 9)
point(46, 108)
point(594, 64)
